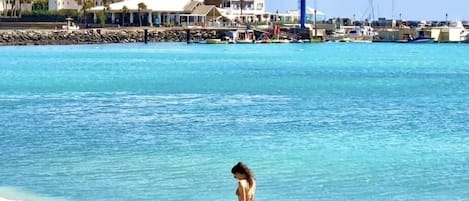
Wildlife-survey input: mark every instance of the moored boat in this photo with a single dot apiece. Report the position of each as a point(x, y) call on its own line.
point(70, 25)
point(421, 39)
point(213, 41)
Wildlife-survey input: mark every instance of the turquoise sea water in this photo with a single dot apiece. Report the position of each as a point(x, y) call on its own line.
point(167, 121)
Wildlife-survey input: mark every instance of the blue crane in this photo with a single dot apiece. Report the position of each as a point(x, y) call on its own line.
point(302, 14)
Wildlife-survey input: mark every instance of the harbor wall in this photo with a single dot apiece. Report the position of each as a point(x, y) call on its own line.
point(98, 36)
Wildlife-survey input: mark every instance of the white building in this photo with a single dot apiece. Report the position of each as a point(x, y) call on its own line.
point(11, 4)
point(55, 5)
point(252, 10)
point(292, 16)
point(159, 12)
point(73, 4)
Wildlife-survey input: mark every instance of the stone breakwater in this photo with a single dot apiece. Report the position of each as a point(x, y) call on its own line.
point(98, 36)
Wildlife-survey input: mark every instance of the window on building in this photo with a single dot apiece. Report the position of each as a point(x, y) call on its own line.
point(260, 6)
point(226, 4)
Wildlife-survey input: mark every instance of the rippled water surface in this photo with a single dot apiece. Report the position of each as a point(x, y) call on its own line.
point(167, 121)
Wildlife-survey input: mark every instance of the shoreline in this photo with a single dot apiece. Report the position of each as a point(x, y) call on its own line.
point(34, 36)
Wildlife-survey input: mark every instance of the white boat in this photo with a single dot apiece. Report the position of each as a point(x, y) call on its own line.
point(421, 39)
point(264, 38)
point(70, 25)
point(338, 36)
point(280, 41)
point(453, 33)
point(246, 37)
point(212, 41)
point(242, 36)
point(362, 34)
point(457, 32)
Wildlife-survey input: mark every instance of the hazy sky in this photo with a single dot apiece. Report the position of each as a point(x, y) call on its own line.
point(409, 9)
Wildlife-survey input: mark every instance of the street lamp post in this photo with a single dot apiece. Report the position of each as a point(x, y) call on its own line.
point(447, 23)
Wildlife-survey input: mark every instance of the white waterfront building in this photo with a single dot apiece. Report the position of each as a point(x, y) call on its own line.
point(11, 4)
point(159, 12)
point(252, 10)
point(55, 5)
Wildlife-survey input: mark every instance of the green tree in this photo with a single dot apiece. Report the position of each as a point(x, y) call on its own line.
point(141, 7)
point(87, 5)
point(103, 17)
point(124, 10)
point(41, 5)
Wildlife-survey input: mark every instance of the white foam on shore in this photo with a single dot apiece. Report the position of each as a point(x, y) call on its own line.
point(18, 194)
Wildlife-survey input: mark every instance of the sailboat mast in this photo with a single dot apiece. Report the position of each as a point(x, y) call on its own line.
point(315, 20)
point(392, 11)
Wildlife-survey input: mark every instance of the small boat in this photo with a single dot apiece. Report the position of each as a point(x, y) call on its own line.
point(422, 39)
point(362, 34)
point(241, 37)
point(245, 37)
point(280, 41)
point(297, 41)
point(213, 41)
point(264, 38)
point(70, 25)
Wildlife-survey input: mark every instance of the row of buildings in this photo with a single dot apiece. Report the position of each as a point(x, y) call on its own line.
point(173, 12)
point(216, 13)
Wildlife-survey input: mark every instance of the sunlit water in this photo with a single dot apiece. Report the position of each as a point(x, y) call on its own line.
point(168, 121)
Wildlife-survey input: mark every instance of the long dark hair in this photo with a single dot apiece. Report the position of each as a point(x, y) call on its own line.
point(243, 169)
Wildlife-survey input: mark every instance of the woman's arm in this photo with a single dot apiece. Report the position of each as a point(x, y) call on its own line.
point(242, 194)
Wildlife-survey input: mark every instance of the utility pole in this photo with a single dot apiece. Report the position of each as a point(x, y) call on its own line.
point(315, 4)
point(315, 24)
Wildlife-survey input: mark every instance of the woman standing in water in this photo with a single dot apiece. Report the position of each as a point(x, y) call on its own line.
point(246, 182)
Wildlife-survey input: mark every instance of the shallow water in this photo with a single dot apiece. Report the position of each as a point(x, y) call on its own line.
point(167, 121)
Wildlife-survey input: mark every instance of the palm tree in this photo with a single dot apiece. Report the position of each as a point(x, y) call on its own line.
point(141, 7)
point(86, 6)
point(241, 5)
point(106, 7)
point(124, 10)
